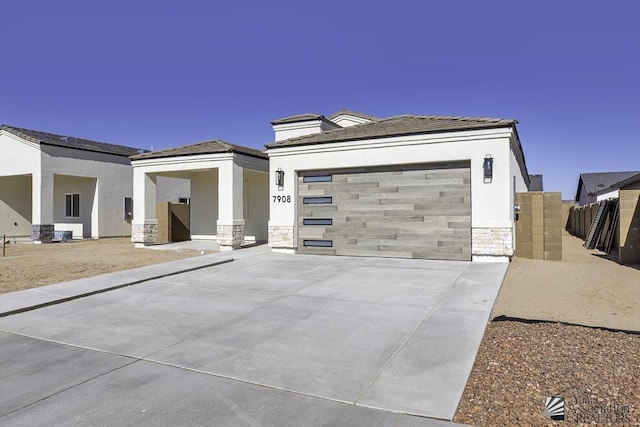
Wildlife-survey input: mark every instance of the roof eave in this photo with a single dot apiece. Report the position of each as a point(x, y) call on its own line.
point(285, 144)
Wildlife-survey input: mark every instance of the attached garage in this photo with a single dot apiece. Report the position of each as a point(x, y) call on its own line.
point(410, 211)
point(430, 187)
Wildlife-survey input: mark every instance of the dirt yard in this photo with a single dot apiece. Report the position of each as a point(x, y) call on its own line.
point(596, 370)
point(27, 265)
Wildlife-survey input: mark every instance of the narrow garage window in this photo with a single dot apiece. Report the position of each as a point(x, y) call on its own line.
point(317, 178)
point(316, 200)
point(318, 243)
point(72, 205)
point(317, 221)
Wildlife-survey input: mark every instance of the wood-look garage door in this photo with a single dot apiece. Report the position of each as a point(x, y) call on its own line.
point(418, 211)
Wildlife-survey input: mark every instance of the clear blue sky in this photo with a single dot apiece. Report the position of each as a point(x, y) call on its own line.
point(161, 74)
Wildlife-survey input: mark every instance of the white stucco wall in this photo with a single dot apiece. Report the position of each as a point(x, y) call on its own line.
point(291, 130)
point(18, 157)
point(204, 203)
point(171, 189)
point(114, 182)
point(491, 202)
point(608, 195)
point(15, 205)
point(346, 120)
point(86, 188)
point(256, 204)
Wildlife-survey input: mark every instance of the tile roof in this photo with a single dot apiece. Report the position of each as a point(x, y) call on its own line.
point(298, 118)
point(599, 181)
point(70, 142)
point(631, 180)
point(206, 147)
point(535, 183)
point(395, 126)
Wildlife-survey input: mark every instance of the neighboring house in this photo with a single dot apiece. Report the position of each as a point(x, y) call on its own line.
point(535, 183)
point(228, 192)
point(50, 181)
point(593, 187)
point(405, 186)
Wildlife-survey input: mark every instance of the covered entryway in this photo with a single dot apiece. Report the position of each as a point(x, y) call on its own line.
point(410, 211)
point(228, 199)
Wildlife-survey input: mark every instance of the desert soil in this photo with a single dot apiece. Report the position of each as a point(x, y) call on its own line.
point(595, 368)
point(27, 265)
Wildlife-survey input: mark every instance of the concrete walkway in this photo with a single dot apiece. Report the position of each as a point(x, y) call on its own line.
point(267, 339)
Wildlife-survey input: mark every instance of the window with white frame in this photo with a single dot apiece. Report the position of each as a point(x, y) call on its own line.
point(72, 205)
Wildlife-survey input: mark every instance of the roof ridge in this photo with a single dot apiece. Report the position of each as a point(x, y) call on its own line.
point(354, 113)
point(67, 141)
point(456, 118)
point(601, 173)
point(212, 146)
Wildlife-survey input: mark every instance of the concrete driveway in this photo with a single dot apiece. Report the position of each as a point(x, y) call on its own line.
point(268, 339)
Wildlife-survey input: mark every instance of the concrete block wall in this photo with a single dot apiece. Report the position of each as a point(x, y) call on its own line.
point(552, 213)
point(629, 227)
point(539, 226)
point(580, 218)
point(567, 205)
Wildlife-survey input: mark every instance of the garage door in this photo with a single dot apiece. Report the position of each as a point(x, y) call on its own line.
point(418, 211)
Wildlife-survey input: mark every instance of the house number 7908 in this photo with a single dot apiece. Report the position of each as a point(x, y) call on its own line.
point(281, 199)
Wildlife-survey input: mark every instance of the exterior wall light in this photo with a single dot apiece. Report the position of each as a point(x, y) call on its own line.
point(488, 168)
point(280, 178)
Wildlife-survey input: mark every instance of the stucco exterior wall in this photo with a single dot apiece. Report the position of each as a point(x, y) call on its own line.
point(204, 203)
point(19, 157)
point(256, 204)
point(491, 202)
point(172, 189)
point(113, 175)
point(608, 195)
point(15, 205)
point(86, 188)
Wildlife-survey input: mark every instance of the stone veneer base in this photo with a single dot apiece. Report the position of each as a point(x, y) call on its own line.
point(281, 237)
point(230, 236)
point(145, 234)
point(494, 241)
point(42, 233)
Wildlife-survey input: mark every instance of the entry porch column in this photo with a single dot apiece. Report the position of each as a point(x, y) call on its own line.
point(144, 226)
point(230, 225)
point(42, 207)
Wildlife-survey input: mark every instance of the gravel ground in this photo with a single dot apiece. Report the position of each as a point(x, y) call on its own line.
point(520, 364)
point(593, 367)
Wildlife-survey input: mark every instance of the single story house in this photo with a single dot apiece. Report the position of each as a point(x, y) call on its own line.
point(53, 182)
point(593, 187)
point(435, 187)
point(228, 192)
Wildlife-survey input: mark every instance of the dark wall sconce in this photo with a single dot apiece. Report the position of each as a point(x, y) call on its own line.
point(280, 178)
point(488, 168)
